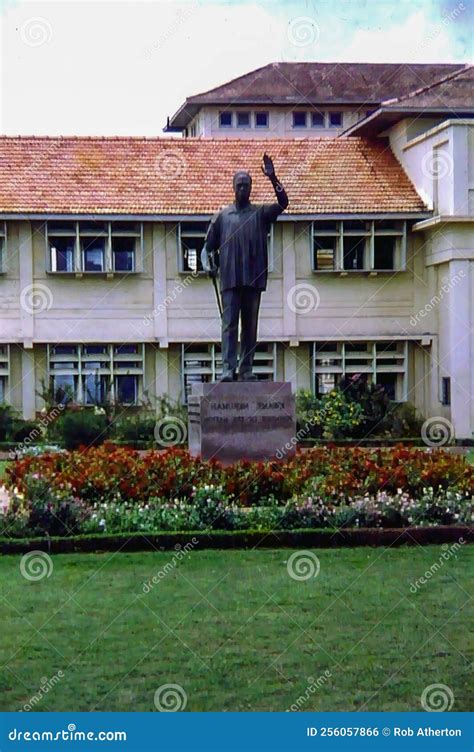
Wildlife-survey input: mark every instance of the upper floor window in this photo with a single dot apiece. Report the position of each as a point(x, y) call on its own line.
point(243, 119)
point(358, 245)
point(225, 119)
point(191, 236)
point(3, 246)
point(299, 119)
point(94, 246)
point(317, 119)
point(261, 119)
point(335, 119)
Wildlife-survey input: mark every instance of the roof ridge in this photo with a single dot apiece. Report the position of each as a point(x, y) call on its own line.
point(421, 89)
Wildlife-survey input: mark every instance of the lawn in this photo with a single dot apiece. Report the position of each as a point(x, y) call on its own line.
point(236, 632)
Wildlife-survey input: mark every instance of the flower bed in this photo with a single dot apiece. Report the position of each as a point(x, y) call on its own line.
point(114, 490)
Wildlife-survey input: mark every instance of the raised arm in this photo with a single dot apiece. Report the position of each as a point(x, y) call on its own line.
point(269, 171)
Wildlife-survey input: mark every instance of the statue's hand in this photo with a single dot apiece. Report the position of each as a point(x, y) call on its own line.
point(267, 167)
point(213, 272)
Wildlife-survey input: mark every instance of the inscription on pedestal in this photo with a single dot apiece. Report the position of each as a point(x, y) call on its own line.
point(242, 421)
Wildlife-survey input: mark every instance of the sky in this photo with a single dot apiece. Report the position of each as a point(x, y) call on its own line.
point(120, 68)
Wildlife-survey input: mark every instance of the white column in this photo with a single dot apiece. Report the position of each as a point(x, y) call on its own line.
point(461, 349)
point(160, 310)
point(25, 254)
point(28, 397)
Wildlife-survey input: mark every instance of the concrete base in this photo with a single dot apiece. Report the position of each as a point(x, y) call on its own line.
point(241, 420)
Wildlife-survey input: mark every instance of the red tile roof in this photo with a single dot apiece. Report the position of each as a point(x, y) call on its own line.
point(310, 83)
point(159, 176)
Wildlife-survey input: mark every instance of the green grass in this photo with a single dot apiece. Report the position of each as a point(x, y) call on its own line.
point(3, 467)
point(236, 631)
point(470, 456)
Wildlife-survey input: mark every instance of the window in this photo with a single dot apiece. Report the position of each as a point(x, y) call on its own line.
point(335, 119)
point(261, 119)
point(358, 245)
point(317, 119)
point(93, 237)
point(225, 119)
point(243, 119)
point(62, 245)
point(92, 373)
point(201, 363)
point(4, 371)
point(191, 237)
point(94, 246)
point(126, 238)
point(3, 244)
point(380, 362)
point(446, 390)
point(299, 119)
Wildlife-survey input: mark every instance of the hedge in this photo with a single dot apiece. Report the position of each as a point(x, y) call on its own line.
point(225, 539)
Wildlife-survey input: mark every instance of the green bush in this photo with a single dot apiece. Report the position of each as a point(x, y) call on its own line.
point(135, 428)
point(83, 427)
point(7, 418)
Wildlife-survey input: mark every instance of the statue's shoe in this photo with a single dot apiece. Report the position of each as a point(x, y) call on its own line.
point(227, 376)
point(247, 377)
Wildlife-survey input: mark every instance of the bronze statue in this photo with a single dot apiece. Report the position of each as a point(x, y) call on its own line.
point(236, 250)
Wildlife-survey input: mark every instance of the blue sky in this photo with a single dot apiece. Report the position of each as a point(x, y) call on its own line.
point(119, 68)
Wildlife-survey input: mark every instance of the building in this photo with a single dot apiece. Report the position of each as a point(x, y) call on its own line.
point(299, 100)
point(371, 266)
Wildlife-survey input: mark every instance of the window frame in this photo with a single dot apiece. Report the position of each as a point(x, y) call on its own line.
point(108, 232)
point(5, 366)
point(299, 112)
point(3, 246)
point(210, 352)
point(110, 367)
point(179, 245)
point(349, 362)
point(335, 112)
point(267, 116)
point(247, 125)
point(230, 114)
point(399, 232)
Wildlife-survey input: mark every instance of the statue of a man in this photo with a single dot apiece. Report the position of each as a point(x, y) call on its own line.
point(236, 248)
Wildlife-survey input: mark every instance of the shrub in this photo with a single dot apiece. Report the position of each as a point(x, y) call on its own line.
point(83, 428)
point(7, 418)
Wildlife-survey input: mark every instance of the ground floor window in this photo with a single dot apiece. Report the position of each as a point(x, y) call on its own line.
point(91, 374)
point(202, 363)
point(382, 362)
point(4, 371)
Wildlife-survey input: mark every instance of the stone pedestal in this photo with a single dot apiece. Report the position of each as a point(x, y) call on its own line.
point(239, 420)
